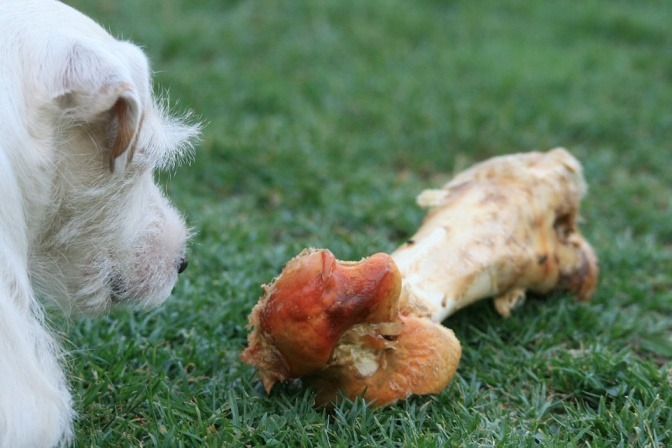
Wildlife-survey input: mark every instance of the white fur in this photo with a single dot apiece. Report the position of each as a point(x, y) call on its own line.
point(82, 223)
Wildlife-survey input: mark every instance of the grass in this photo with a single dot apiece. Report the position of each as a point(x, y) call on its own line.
point(324, 120)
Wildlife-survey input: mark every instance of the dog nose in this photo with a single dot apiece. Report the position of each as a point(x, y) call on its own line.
point(183, 265)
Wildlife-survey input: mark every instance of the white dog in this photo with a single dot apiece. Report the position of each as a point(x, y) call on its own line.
point(82, 223)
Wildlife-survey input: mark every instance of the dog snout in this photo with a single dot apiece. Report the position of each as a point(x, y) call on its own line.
point(183, 265)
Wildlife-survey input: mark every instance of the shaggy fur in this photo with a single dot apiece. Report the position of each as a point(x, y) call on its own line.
point(82, 223)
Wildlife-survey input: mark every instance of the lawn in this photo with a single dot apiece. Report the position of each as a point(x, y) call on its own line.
point(323, 120)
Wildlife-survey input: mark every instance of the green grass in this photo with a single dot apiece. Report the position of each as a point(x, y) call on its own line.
point(324, 120)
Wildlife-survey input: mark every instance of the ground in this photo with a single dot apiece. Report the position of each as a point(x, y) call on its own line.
point(324, 119)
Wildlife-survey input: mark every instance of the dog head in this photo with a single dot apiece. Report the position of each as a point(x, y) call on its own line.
point(103, 233)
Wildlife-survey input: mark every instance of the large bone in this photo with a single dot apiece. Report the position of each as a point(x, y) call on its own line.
point(504, 227)
point(371, 328)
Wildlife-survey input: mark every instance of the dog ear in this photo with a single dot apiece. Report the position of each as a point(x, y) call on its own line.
point(96, 88)
point(123, 129)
